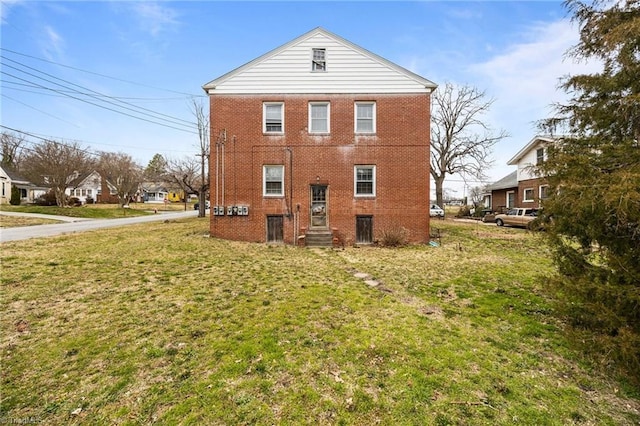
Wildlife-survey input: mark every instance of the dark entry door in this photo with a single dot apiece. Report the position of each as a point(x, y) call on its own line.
point(364, 229)
point(319, 207)
point(275, 229)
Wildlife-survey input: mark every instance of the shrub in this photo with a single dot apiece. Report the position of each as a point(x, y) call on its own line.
point(464, 211)
point(15, 196)
point(48, 199)
point(394, 236)
point(75, 202)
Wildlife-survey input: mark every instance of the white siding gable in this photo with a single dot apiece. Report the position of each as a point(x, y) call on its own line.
point(526, 158)
point(526, 165)
point(349, 69)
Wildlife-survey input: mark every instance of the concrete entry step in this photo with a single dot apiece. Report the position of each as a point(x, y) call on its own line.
point(320, 238)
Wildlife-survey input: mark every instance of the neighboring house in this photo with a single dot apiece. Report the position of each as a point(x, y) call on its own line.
point(29, 192)
point(319, 138)
point(523, 187)
point(92, 188)
point(502, 195)
point(84, 187)
point(175, 195)
point(532, 189)
point(154, 192)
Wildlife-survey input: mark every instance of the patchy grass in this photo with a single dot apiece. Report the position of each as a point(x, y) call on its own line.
point(157, 323)
point(15, 221)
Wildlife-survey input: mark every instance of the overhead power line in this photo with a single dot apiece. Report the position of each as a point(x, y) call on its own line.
point(100, 97)
point(191, 95)
point(128, 98)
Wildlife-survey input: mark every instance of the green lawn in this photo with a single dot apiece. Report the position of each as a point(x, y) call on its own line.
point(159, 324)
point(90, 211)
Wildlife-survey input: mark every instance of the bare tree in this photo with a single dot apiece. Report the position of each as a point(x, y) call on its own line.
point(476, 195)
point(460, 141)
point(202, 187)
point(185, 174)
point(11, 145)
point(122, 172)
point(56, 164)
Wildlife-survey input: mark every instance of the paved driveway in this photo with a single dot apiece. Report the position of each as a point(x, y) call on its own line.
point(79, 225)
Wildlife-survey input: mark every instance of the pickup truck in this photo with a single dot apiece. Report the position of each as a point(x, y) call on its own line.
point(517, 217)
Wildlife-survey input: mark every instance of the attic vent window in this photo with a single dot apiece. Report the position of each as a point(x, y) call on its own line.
point(319, 62)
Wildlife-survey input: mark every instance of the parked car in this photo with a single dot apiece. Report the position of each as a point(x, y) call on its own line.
point(517, 217)
point(436, 211)
point(207, 205)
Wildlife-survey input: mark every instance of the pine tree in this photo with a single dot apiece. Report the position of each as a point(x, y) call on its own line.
point(594, 178)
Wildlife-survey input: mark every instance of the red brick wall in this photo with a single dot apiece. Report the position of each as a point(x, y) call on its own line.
point(499, 199)
point(399, 150)
point(530, 184)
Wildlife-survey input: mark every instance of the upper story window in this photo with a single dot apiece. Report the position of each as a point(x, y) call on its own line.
point(539, 156)
point(365, 113)
point(319, 117)
point(273, 117)
point(273, 181)
point(365, 181)
point(319, 61)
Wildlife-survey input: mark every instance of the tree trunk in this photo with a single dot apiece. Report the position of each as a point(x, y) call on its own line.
point(439, 181)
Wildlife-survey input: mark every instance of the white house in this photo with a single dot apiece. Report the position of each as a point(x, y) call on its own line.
point(28, 191)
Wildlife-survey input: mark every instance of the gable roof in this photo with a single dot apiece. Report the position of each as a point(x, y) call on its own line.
point(509, 181)
point(14, 176)
point(538, 139)
point(350, 69)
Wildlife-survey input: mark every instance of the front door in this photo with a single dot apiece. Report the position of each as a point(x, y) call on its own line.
point(319, 206)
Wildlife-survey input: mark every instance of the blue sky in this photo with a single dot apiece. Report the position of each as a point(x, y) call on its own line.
point(157, 55)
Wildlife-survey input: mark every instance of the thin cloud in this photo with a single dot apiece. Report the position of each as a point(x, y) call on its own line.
point(155, 18)
point(5, 8)
point(524, 80)
point(53, 44)
point(529, 72)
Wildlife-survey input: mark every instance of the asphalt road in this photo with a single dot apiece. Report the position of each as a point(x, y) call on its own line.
point(73, 225)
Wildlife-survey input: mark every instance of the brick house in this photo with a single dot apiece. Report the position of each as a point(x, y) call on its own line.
point(503, 193)
point(523, 187)
point(319, 140)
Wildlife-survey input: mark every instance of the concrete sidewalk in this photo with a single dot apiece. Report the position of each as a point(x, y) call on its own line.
point(46, 216)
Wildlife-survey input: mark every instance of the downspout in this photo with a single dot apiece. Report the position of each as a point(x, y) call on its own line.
point(217, 171)
point(290, 204)
point(224, 139)
point(235, 173)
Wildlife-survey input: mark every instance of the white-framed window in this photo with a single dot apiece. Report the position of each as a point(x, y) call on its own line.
point(319, 113)
point(539, 156)
point(273, 181)
point(365, 114)
point(273, 117)
point(364, 182)
point(319, 60)
point(544, 191)
point(529, 193)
